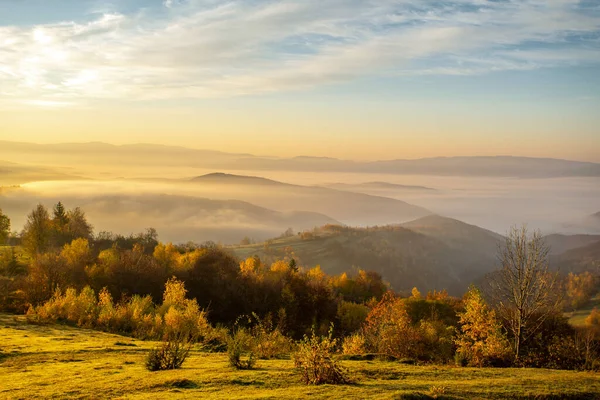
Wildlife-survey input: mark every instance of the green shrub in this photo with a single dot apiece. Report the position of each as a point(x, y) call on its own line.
point(170, 355)
point(268, 341)
point(239, 350)
point(314, 360)
point(215, 340)
point(461, 359)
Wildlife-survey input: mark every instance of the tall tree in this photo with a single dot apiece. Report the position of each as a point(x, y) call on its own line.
point(524, 291)
point(4, 227)
point(77, 225)
point(60, 221)
point(60, 214)
point(37, 231)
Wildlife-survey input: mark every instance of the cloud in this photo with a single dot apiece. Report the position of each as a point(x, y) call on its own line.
point(213, 48)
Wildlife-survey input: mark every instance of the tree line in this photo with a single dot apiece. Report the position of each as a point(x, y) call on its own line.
point(126, 285)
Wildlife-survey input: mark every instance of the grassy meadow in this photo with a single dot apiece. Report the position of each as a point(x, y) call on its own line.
point(58, 361)
point(577, 318)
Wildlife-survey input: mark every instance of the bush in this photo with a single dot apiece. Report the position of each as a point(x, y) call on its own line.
point(437, 391)
point(71, 307)
point(461, 359)
point(353, 344)
point(216, 339)
point(170, 355)
point(315, 362)
point(268, 341)
point(239, 350)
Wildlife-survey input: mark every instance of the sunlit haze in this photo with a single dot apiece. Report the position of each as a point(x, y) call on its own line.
point(289, 199)
point(355, 80)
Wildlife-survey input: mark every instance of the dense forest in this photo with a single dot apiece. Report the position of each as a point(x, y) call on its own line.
point(57, 269)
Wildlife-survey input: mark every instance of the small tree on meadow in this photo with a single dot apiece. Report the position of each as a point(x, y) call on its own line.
point(524, 291)
point(314, 360)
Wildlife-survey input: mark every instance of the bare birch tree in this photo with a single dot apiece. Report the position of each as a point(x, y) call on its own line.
point(524, 291)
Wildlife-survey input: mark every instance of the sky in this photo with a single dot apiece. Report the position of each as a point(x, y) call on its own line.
point(357, 79)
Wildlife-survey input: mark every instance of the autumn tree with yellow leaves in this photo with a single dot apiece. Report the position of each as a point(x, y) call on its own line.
point(481, 341)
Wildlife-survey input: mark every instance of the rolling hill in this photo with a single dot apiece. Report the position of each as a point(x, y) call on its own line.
point(347, 207)
point(580, 259)
point(403, 256)
point(182, 218)
point(457, 234)
point(432, 252)
point(561, 243)
point(177, 218)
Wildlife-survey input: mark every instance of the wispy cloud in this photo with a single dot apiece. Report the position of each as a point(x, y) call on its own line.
point(212, 48)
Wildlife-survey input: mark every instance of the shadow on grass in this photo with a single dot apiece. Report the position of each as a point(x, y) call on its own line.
point(242, 382)
point(423, 396)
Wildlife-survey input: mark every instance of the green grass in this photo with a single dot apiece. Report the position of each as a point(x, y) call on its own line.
point(577, 318)
point(58, 361)
point(22, 257)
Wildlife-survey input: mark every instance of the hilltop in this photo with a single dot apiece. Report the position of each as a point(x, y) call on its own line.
point(414, 254)
point(433, 252)
point(223, 178)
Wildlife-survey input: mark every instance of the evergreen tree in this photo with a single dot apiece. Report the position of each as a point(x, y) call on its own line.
point(60, 215)
point(4, 228)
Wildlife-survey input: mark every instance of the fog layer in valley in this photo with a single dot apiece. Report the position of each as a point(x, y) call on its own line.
point(126, 189)
point(197, 210)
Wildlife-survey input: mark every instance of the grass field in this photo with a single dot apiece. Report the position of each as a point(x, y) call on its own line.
point(58, 361)
point(577, 318)
point(22, 257)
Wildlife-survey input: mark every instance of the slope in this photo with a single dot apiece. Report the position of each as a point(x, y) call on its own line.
point(446, 254)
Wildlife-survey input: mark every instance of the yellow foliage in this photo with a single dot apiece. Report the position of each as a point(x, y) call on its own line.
point(593, 320)
point(415, 294)
point(108, 256)
point(316, 273)
point(77, 252)
point(187, 260)
point(252, 265)
point(354, 344)
point(280, 266)
point(174, 294)
point(388, 328)
point(166, 255)
point(580, 288)
point(481, 338)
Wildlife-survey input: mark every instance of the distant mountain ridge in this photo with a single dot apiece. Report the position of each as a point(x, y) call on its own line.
point(97, 152)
